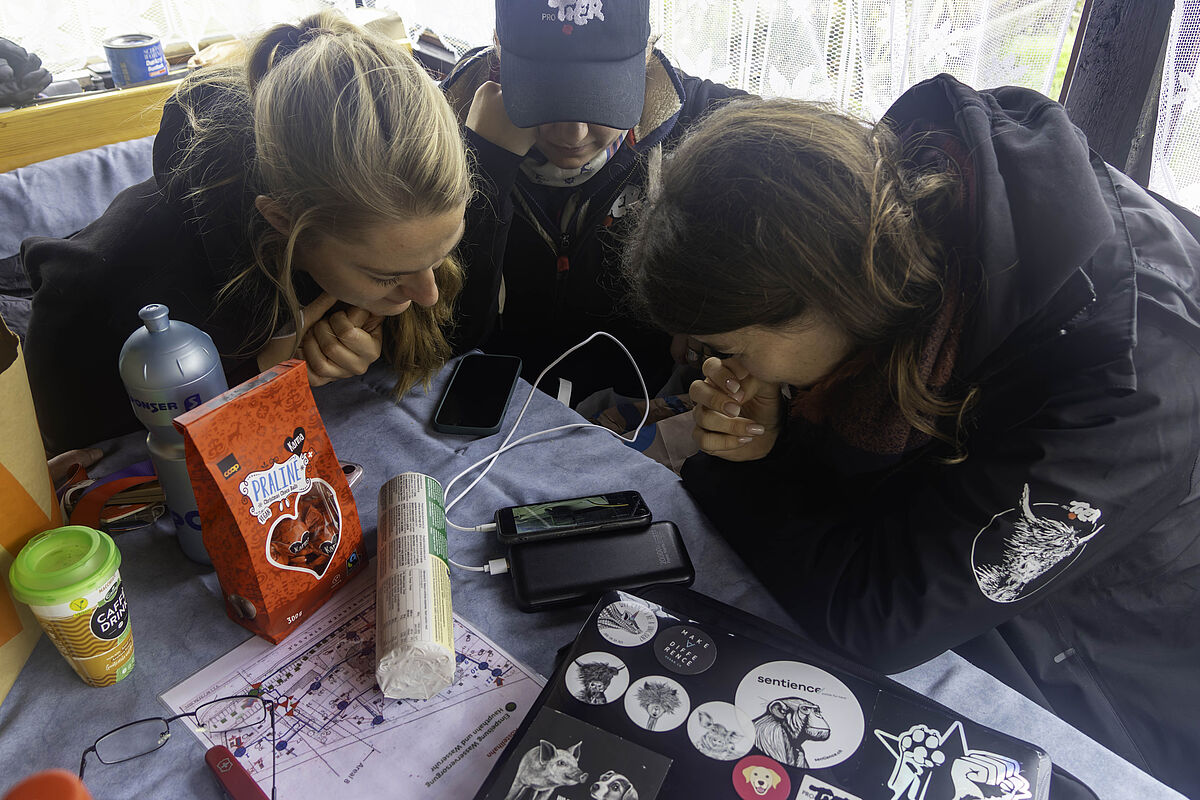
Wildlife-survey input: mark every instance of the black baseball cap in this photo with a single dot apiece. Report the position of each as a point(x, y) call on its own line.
point(573, 60)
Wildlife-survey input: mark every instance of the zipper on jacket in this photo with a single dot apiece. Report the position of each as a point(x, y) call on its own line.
point(562, 270)
point(562, 250)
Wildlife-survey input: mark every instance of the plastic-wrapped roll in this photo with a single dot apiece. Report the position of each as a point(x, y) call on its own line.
point(414, 624)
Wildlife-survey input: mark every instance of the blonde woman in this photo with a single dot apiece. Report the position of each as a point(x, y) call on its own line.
point(306, 203)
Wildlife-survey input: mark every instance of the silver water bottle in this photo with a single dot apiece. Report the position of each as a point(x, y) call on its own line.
point(170, 367)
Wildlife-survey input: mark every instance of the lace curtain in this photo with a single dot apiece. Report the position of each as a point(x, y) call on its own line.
point(66, 34)
point(1175, 168)
point(857, 54)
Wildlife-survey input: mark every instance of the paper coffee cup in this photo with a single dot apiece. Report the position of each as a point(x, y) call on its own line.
point(70, 579)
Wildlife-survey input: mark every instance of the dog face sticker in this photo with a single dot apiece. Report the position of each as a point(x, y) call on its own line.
point(305, 537)
point(761, 778)
point(613, 786)
point(924, 755)
point(1024, 548)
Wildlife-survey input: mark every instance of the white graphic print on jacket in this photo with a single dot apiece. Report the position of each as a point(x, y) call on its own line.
point(1024, 548)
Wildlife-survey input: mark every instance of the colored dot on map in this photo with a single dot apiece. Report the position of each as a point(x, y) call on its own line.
point(241, 751)
point(510, 707)
point(377, 721)
point(459, 657)
point(497, 672)
point(314, 686)
point(342, 705)
point(281, 745)
point(483, 665)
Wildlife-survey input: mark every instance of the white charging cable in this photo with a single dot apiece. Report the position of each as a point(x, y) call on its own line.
point(498, 565)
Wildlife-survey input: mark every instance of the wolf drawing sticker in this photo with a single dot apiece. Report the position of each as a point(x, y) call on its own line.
point(627, 624)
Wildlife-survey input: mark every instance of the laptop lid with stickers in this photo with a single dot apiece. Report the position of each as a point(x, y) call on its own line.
point(653, 702)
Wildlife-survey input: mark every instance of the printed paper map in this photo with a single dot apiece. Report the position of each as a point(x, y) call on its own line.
point(333, 727)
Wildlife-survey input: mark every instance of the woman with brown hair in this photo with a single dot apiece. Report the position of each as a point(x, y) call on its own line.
point(954, 402)
point(306, 203)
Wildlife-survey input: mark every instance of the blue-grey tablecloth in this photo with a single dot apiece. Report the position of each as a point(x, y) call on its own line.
point(179, 620)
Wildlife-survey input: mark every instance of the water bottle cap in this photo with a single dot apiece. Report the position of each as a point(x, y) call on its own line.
point(156, 316)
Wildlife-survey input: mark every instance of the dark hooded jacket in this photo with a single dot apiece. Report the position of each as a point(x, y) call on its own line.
point(1062, 555)
point(156, 243)
point(534, 289)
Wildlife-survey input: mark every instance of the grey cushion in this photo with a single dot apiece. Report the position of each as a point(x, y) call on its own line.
point(61, 195)
point(58, 197)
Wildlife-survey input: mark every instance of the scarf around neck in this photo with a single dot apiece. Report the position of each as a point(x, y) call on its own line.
point(857, 404)
point(543, 172)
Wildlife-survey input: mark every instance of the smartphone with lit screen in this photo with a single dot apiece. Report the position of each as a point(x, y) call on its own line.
point(477, 395)
point(592, 514)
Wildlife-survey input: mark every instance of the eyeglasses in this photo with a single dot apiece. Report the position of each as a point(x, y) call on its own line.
point(235, 714)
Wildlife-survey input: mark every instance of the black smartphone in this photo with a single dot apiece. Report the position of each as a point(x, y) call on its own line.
point(477, 395)
point(576, 569)
point(598, 512)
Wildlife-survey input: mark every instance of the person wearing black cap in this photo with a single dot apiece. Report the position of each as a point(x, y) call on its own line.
point(567, 115)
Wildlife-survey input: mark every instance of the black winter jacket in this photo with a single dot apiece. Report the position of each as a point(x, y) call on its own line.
point(558, 287)
point(154, 244)
point(1063, 554)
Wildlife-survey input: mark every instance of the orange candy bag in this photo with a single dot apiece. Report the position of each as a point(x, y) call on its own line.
point(276, 513)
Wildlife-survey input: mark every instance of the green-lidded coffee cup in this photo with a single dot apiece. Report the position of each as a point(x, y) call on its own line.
point(71, 580)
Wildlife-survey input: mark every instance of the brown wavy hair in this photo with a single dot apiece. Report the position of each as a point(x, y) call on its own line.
point(771, 210)
point(345, 130)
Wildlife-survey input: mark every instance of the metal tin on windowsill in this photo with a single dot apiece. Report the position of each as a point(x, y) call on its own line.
point(135, 59)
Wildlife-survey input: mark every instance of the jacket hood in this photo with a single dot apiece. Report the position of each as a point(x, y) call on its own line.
point(1034, 201)
point(664, 92)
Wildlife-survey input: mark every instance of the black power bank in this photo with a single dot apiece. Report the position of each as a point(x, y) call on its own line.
point(576, 569)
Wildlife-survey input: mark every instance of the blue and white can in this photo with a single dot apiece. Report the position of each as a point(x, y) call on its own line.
point(135, 58)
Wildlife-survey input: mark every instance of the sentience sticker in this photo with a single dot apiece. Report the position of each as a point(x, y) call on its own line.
point(685, 649)
point(804, 717)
